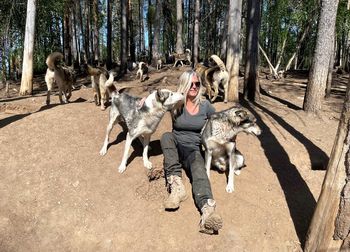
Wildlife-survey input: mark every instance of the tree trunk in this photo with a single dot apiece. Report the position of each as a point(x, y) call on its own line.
point(131, 33)
point(87, 30)
point(322, 227)
point(96, 33)
point(223, 47)
point(82, 31)
point(330, 71)
point(124, 37)
point(233, 49)
point(27, 74)
point(67, 33)
point(155, 50)
point(109, 34)
point(251, 80)
point(179, 21)
point(196, 32)
point(318, 74)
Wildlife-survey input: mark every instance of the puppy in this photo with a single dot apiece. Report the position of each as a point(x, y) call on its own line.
point(142, 71)
point(219, 140)
point(138, 121)
point(60, 74)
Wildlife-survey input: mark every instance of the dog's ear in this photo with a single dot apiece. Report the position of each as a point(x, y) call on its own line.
point(242, 114)
point(161, 96)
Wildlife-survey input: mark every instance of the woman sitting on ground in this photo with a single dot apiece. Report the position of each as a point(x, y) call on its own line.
point(182, 148)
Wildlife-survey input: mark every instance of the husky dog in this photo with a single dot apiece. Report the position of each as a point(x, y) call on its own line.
point(99, 76)
point(139, 121)
point(182, 57)
point(219, 140)
point(60, 74)
point(142, 71)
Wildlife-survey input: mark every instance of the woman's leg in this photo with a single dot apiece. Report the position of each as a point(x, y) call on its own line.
point(171, 162)
point(200, 183)
point(173, 171)
point(210, 222)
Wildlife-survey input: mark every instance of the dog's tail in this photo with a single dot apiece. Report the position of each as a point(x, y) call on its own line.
point(111, 87)
point(53, 60)
point(219, 62)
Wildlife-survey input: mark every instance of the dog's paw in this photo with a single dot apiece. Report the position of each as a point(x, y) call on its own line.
point(103, 151)
point(230, 188)
point(237, 172)
point(121, 168)
point(147, 164)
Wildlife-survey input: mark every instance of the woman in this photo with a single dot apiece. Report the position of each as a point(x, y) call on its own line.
point(182, 148)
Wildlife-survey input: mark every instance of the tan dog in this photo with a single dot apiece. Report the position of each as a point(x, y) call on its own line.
point(60, 74)
point(99, 76)
point(213, 76)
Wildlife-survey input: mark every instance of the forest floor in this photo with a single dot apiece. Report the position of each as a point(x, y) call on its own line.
point(58, 194)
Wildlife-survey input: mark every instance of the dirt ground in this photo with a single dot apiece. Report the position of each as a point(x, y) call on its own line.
point(58, 194)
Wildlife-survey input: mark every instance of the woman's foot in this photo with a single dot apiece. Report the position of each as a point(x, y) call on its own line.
point(210, 222)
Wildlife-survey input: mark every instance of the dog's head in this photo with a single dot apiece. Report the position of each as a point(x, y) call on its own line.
point(168, 99)
point(243, 120)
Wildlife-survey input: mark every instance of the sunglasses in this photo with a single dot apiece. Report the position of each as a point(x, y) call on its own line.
point(196, 83)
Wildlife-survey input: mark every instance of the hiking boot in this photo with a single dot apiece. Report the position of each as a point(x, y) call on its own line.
point(177, 193)
point(210, 222)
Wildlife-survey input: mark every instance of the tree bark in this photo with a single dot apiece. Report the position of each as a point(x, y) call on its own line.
point(109, 33)
point(96, 32)
point(27, 74)
point(155, 50)
point(233, 49)
point(179, 23)
point(315, 90)
point(251, 80)
point(196, 32)
point(322, 227)
point(124, 37)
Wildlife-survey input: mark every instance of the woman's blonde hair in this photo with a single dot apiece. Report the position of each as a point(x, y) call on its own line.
point(184, 86)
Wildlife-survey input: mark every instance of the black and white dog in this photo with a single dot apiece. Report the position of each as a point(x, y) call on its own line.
point(142, 71)
point(219, 140)
point(139, 121)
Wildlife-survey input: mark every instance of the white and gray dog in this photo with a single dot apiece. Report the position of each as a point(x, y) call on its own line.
point(142, 71)
point(138, 121)
point(219, 140)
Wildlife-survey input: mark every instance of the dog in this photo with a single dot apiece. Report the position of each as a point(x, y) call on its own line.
point(219, 140)
point(138, 121)
point(58, 73)
point(184, 57)
point(142, 71)
point(99, 76)
point(213, 77)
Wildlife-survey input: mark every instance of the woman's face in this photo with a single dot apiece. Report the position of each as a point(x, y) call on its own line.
point(193, 91)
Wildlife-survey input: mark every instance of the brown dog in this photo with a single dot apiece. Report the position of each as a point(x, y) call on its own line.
point(99, 76)
point(60, 74)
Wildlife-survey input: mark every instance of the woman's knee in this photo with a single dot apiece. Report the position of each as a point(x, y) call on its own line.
point(167, 140)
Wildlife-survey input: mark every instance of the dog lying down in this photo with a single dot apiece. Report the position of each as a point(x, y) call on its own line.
point(219, 140)
point(138, 121)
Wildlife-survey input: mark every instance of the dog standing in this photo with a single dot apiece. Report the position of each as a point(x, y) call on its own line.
point(184, 57)
point(139, 121)
point(213, 77)
point(219, 140)
point(62, 75)
point(142, 71)
point(99, 77)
